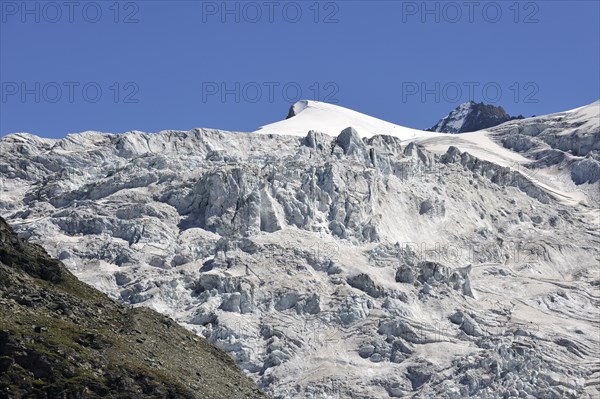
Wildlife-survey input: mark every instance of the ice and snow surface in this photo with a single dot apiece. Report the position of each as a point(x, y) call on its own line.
point(332, 119)
point(380, 262)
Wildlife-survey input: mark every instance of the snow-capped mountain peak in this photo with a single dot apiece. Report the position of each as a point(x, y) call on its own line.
point(472, 116)
point(306, 115)
point(369, 260)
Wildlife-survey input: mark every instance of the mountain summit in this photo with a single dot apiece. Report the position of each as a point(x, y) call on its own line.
point(472, 116)
point(331, 119)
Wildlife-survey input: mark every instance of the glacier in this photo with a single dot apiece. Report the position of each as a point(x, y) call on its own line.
point(336, 255)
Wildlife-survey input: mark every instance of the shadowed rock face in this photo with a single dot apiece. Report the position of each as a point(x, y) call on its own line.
point(60, 338)
point(472, 116)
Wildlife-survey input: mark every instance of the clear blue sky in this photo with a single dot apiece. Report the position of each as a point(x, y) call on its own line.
point(152, 65)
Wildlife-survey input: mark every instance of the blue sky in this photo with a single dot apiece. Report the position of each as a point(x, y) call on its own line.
point(151, 65)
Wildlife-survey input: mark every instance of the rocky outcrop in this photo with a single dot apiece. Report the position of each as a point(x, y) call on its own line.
point(61, 338)
point(586, 170)
point(568, 140)
point(472, 116)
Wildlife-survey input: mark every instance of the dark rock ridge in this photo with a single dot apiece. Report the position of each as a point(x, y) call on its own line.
point(472, 116)
point(60, 338)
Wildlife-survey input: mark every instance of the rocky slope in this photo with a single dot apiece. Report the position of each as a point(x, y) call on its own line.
point(420, 265)
point(472, 116)
point(60, 338)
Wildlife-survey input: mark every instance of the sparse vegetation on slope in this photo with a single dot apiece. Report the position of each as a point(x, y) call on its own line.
point(60, 338)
